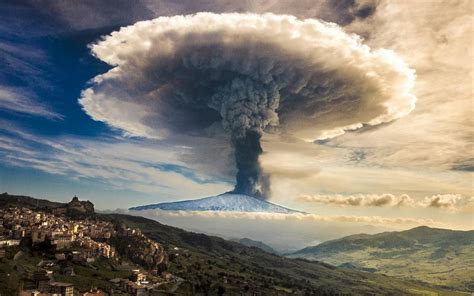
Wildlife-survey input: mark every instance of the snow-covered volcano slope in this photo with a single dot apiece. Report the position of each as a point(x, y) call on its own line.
point(228, 202)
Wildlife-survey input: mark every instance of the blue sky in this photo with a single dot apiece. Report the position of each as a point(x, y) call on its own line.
point(51, 148)
point(46, 63)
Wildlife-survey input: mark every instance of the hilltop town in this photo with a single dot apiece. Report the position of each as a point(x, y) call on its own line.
point(45, 246)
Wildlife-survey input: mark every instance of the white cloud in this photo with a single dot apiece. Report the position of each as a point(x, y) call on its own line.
point(435, 38)
point(19, 101)
point(426, 153)
point(372, 200)
point(218, 76)
point(448, 202)
point(120, 163)
point(336, 82)
point(378, 220)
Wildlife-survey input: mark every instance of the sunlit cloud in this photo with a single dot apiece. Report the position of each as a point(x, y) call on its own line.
point(395, 222)
point(448, 202)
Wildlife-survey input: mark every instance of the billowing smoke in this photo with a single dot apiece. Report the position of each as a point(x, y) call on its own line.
point(239, 76)
point(250, 179)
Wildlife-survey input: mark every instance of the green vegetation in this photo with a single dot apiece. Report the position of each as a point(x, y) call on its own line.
point(257, 244)
point(10, 278)
point(437, 256)
point(95, 275)
point(86, 275)
point(210, 263)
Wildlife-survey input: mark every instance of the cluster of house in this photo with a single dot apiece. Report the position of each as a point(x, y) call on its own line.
point(46, 287)
point(79, 240)
point(137, 283)
point(63, 233)
point(41, 283)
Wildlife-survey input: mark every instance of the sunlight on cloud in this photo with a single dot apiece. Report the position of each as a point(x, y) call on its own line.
point(448, 202)
point(387, 222)
point(433, 39)
point(426, 153)
point(332, 73)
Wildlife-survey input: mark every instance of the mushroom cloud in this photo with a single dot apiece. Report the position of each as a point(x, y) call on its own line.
point(242, 75)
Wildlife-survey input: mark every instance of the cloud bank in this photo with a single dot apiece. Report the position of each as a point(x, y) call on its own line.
point(448, 202)
point(378, 220)
point(351, 200)
point(236, 76)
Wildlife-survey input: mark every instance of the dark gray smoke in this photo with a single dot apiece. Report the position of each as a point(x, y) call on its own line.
point(247, 107)
point(250, 177)
point(237, 76)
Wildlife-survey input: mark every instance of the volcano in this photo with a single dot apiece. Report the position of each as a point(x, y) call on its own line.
point(227, 202)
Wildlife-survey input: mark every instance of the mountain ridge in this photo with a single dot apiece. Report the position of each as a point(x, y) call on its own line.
point(257, 244)
point(413, 233)
point(316, 278)
point(433, 255)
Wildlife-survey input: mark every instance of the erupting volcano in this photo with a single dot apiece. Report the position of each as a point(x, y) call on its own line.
point(237, 77)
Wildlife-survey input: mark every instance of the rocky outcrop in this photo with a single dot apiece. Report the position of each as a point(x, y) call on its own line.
point(84, 207)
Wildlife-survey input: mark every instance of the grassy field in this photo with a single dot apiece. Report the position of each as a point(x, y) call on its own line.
point(455, 269)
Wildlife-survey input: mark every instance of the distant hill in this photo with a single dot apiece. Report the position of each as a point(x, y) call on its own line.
point(437, 256)
point(257, 244)
point(224, 202)
point(8, 200)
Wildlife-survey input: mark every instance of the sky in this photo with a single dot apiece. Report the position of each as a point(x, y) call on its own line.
point(66, 129)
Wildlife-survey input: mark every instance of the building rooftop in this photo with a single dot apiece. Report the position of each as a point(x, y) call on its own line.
point(60, 284)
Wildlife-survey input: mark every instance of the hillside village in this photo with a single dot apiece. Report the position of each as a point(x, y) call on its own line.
point(59, 242)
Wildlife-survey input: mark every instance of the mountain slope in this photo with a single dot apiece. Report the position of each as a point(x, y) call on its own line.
point(8, 200)
point(223, 202)
point(437, 256)
point(247, 270)
point(257, 244)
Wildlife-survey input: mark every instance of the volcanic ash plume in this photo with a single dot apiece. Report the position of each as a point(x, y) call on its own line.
point(237, 76)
